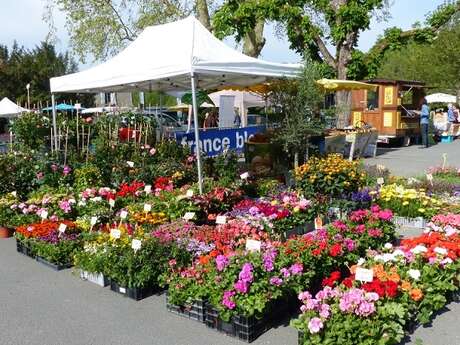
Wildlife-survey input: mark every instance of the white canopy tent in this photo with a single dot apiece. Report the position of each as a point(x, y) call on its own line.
point(10, 109)
point(174, 57)
point(441, 98)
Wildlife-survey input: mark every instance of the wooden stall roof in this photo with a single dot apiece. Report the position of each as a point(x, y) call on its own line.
point(404, 83)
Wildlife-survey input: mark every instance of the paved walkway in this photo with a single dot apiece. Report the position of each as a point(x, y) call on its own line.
point(39, 306)
point(414, 160)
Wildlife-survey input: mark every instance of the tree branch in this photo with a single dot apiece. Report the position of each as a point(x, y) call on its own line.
point(129, 35)
point(327, 56)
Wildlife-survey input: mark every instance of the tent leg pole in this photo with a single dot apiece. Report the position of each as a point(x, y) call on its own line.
point(54, 123)
point(197, 133)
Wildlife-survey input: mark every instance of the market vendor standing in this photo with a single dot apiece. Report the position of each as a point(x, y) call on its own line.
point(424, 122)
point(451, 114)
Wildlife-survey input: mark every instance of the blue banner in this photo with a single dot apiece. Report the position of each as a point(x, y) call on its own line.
point(213, 141)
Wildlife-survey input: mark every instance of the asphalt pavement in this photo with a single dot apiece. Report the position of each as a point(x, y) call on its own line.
point(39, 306)
point(415, 160)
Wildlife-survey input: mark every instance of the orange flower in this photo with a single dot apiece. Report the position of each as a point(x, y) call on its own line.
point(416, 294)
point(405, 285)
point(353, 269)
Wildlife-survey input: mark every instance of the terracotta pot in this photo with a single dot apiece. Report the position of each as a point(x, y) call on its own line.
point(5, 232)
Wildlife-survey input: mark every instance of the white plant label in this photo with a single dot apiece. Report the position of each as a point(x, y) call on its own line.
point(244, 176)
point(93, 221)
point(253, 245)
point(130, 164)
point(15, 194)
point(62, 228)
point(123, 214)
point(122, 290)
point(429, 177)
point(136, 244)
point(44, 214)
point(112, 203)
point(380, 181)
point(115, 233)
point(148, 189)
point(221, 220)
point(318, 223)
point(364, 275)
point(189, 193)
point(147, 207)
point(189, 215)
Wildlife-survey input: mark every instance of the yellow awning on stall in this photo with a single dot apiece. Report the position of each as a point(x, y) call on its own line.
point(340, 85)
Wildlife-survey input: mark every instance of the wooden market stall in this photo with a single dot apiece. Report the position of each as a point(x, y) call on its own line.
point(393, 109)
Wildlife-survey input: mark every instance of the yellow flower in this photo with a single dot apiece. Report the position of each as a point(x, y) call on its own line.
point(421, 210)
point(405, 203)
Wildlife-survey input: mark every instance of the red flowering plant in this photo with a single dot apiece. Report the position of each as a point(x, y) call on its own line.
point(54, 241)
point(217, 201)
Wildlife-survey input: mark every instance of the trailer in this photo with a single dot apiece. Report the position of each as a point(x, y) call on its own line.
point(393, 109)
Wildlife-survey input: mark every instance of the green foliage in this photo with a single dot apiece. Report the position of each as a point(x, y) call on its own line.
point(20, 67)
point(299, 102)
point(60, 253)
point(87, 176)
point(223, 168)
point(437, 64)
point(31, 130)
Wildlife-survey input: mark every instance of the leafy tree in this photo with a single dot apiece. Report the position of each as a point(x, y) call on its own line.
point(299, 102)
point(437, 64)
point(102, 27)
point(311, 26)
point(19, 67)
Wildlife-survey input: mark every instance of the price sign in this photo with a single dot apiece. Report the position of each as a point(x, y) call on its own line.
point(130, 164)
point(221, 220)
point(253, 245)
point(364, 275)
point(189, 215)
point(147, 207)
point(112, 203)
point(15, 194)
point(123, 214)
point(429, 177)
point(189, 193)
point(44, 214)
point(115, 233)
point(244, 176)
point(136, 244)
point(148, 189)
point(93, 221)
point(380, 181)
point(62, 228)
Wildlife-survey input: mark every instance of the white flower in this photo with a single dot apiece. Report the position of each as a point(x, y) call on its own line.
point(388, 257)
point(440, 251)
point(72, 201)
point(361, 261)
point(398, 252)
point(414, 274)
point(388, 246)
point(96, 199)
point(378, 258)
point(450, 230)
point(419, 249)
point(446, 261)
point(81, 203)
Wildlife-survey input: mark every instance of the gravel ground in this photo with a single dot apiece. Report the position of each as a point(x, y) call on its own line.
point(39, 306)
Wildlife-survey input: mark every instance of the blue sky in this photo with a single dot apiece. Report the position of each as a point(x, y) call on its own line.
point(21, 20)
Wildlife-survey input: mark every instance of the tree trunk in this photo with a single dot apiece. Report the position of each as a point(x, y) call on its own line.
point(202, 13)
point(254, 41)
point(343, 98)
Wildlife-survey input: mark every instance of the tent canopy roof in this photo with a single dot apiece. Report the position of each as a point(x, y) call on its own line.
point(163, 58)
point(8, 108)
point(245, 98)
point(441, 98)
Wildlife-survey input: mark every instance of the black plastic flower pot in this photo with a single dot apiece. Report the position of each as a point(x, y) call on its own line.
point(195, 311)
point(136, 294)
point(24, 249)
point(56, 267)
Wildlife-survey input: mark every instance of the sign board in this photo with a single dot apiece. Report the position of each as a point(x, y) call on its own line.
point(214, 141)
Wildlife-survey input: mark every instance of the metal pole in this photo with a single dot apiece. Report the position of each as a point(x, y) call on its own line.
point(197, 133)
point(53, 104)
